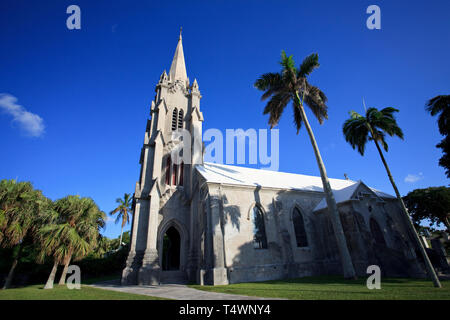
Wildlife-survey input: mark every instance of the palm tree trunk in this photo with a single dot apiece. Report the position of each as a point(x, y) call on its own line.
point(428, 265)
point(346, 260)
point(51, 277)
point(121, 234)
point(10, 277)
point(62, 280)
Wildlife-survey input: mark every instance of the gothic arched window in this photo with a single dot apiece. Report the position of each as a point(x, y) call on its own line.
point(259, 229)
point(180, 119)
point(174, 174)
point(168, 165)
point(174, 119)
point(180, 180)
point(299, 227)
point(376, 232)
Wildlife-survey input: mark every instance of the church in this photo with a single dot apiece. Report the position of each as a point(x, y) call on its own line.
point(215, 224)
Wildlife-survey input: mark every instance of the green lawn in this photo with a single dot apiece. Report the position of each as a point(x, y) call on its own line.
point(36, 292)
point(336, 288)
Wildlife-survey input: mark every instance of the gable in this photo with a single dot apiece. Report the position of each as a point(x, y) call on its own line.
point(357, 191)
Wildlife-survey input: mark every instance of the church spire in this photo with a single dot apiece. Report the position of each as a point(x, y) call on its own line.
point(178, 67)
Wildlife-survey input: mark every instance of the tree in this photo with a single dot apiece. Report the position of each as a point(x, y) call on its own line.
point(23, 210)
point(103, 247)
point(374, 127)
point(441, 105)
point(123, 211)
point(291, 85)
point(431, 203)
point(74, 234)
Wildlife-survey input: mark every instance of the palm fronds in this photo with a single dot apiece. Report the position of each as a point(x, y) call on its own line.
point(283, 87)
point(374, 126)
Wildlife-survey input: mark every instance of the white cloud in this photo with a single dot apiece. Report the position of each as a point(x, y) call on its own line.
point(30, 123)
point(412, 178)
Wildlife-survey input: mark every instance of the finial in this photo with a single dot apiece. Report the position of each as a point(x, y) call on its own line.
point(181, 30)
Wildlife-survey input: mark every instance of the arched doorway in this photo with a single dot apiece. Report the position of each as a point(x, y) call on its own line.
point(171, 250)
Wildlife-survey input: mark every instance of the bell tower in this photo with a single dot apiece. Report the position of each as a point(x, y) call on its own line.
point(162, 194)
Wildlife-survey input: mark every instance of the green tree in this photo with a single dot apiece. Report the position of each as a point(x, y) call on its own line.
point(374, 127)
point(103, 247)
point(123, 211)
point(23, 211)
point(74, 234)
point(441, 105)
point(431, 203)
point(291, 85)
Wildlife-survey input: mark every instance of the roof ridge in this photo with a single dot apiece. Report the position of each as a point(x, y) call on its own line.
point(282, 172)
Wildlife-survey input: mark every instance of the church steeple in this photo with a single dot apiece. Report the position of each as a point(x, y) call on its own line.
point(178, 67)
point(163, 178)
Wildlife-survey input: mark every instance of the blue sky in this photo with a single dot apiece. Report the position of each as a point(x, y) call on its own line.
point(92, 87)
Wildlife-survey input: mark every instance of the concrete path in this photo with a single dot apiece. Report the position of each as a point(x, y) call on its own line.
point(172, 291)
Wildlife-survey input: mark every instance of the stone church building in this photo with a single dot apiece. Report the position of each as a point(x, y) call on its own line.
point(218, 224)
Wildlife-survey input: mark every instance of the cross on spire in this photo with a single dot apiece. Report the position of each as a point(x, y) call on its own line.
point(178, 67)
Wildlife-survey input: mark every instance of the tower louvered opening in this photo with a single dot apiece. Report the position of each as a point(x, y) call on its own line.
point(174, 119)
point(180, 119)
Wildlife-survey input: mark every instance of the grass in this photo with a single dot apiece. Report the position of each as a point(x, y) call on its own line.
point(309, 288)
point(337, 288)
point(37, 292)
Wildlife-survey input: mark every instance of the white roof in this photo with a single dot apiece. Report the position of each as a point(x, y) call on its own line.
point(227, 174)
point(339, 195)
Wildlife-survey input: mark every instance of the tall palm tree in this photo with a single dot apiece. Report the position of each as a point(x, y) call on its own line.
point(73, 236)
point(123, 211)
point(441, 105)
point(291, 84)
point(22, 211)
point(374, 127)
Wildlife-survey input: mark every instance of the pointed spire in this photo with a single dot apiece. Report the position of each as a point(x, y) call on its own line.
point(178, 67)
point(194, 88)
point(163, 77)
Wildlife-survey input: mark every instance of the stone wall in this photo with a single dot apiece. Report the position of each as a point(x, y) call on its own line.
point(282, 258)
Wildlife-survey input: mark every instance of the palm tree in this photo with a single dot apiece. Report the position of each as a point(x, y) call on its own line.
point(73, 236)
point(374, 127)
point(89, 221)
point(441, 105)
point(22, 211)
point(123, 211)
point(291, 84)
point(52, 245)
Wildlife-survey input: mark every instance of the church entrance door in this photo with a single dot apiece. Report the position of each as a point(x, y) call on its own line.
point(171, 250)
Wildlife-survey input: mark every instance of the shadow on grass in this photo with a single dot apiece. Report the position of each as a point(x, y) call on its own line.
point(338, 280)
point(101, 279)
point(296, 291)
